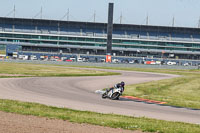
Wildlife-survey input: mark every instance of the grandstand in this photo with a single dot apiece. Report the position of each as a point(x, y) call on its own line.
point(40, 37)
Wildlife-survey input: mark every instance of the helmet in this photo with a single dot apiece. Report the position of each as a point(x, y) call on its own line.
point(122, 84)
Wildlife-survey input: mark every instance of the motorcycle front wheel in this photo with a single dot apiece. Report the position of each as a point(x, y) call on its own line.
point(104, 95)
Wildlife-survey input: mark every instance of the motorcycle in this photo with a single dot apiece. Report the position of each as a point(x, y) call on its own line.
point(113, 94)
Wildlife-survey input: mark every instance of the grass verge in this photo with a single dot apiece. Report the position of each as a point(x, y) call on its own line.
point(183, 91)
point(38, 70)
point(110, 120)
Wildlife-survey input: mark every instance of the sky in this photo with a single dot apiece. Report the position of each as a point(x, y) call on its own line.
point(186, 13)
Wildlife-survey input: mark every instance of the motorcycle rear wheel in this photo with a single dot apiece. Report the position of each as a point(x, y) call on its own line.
point(115, 96)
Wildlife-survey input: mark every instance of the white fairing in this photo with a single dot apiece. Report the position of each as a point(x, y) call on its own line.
point(111, 92)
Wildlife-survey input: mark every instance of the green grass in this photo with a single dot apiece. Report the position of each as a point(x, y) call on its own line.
point(27, 69)
point(110, 120)
point(182, 91)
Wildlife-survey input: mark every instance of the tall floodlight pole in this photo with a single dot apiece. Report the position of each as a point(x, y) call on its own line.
point(41, 13)
point(14, 11)
point(110, 29)
point(199, 23)
point(94, 16)
point(68, 15)
point(147, 20)
point(173, 21)
point(120, 18)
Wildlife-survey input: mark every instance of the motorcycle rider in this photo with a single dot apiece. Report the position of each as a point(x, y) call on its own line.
point(118, 85)
point(122, 86)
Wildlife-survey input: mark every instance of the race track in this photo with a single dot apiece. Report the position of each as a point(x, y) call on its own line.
point(79, 93)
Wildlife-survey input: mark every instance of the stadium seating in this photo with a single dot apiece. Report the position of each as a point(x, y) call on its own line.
point(98, 32)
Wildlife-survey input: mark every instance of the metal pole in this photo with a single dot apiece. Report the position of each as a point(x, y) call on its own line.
point(14, 12)
point(94, 16)
point(173, 21)
point(68, 15)
point(147, 20)
point(121, 18)
point(41, 13)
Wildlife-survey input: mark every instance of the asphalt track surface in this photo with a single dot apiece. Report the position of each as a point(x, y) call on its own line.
point(79, 93)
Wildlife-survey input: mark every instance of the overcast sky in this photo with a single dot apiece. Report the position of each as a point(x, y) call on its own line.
point(160, 12)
